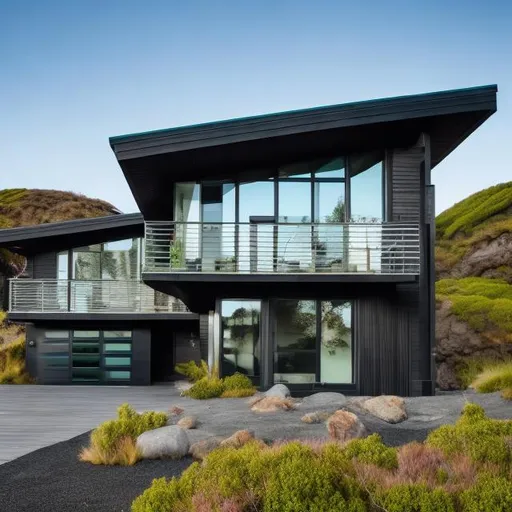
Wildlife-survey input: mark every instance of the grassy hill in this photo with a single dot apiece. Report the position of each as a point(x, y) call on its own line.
point(474, 222)
point(474, 270)
point(29, 207)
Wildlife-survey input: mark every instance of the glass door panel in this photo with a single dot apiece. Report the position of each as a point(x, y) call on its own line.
point(241, 337)
point(335, 342)
point(295, 344)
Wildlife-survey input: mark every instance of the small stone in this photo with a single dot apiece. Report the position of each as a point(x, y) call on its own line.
point(315, 417)
point(388, 408)
point(165, 442)
point(344, 426)
point(187, 422)
point(200, 449)
point(238, 439)
point(175, 410)
point(279, 390)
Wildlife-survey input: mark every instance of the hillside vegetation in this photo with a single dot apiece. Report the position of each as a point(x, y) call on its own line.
point(29, 207)
point(474, 291)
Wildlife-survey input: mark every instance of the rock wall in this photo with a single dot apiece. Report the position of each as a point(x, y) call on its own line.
point(456, 341)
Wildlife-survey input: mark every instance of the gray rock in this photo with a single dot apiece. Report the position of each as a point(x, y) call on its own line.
point(200, 449)
point(166, 442)
point(315, 417)
point(279, 390)
point(187, 422)
point(344, 426)
point(326, 399)
point(198, 435)
point(388, 408)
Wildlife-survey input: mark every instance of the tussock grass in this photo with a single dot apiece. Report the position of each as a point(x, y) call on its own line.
point(494, 377)
point(124, 454)
point(12, 363)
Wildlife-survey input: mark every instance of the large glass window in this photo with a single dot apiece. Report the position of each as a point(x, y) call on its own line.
point(313, 342)
point(241, 337)
point(366, 195)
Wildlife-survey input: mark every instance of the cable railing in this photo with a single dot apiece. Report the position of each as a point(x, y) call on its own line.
point(107, 296)
point(384, 248)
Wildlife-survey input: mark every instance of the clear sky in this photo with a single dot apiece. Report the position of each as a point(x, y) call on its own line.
point(74, 72)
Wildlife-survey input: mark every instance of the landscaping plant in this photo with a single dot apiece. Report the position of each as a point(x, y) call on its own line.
point(12, 362)
point(464, 467)
point(113, 442)
point(495, 377)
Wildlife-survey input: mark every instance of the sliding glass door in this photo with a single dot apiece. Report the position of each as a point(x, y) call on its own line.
point(312, 341)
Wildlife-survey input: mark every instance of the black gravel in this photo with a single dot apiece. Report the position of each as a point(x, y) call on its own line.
point(53, 480)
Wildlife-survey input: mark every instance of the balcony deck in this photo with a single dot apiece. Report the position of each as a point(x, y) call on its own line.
point(77, 298)
point(352, 250)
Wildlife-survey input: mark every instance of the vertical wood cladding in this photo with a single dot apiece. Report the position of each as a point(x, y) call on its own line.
point(203, 336)
point(45, 266)
point(405, 183)
point(386, 334)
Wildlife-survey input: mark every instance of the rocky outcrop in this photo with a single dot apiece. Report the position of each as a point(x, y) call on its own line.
point(456, 341)
point(487, 258)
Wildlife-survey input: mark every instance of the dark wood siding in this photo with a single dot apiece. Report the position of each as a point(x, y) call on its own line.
point(203, 336)
point(45, 266)
point(384, 333)
point(405, 183)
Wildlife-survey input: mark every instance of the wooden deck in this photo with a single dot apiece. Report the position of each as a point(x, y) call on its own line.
point(32, 417)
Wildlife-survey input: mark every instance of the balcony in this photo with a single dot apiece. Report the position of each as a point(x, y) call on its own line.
point(282, 248)
point(56, 295)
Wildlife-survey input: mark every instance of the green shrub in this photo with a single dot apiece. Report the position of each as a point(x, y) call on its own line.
point(205, 388)
point(162, 496)
point(192, 370)
point(238, 393)
point(237, 381)
point(371, 450)
point(415, 498)
point(475, 435)
point(128, 424)
point(488, 494)
point(12, 363)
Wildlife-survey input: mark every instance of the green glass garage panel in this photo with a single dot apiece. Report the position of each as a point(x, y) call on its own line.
point(117, 347)
point(118, 374)
point(56, 360)
point(56, 335)
point(118, 361)
point(86, 375)
point(117, 334)
point(86, 334)
point(86, 348)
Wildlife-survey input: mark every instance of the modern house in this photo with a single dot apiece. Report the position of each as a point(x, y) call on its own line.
point(295, 247)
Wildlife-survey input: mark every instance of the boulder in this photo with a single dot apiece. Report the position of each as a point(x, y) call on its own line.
point(446, 377)
point(200, 449)
point(389, 408)
point(166, 442)
point(272, 404)
point(325, 399)
point(344, 426)
point(316, 417)
point(278, 390)
point(238, 439)
point(187, 422)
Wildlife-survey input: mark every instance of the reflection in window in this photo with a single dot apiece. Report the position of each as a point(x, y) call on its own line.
point(241, 337)
point(366, 203)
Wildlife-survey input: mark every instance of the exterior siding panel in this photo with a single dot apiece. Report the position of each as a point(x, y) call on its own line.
point(45, 265)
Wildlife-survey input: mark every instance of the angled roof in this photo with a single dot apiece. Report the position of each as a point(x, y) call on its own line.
point(73, 233)
point(152, 161)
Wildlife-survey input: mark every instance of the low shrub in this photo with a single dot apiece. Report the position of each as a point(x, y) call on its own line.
point(489, 493)
point(484, 440)
point(192, 370)
point(494, 377)
point(507, 393)
point(238, 393)
point(237, 381)
point(371, 450)
point(415, 498)
point(113, 442)
point(205, 388)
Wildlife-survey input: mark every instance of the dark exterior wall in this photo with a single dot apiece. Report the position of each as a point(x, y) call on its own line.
point(385, 334)
point(141, 357)
point(44, 266)
point(203, 336)
point(405, 184)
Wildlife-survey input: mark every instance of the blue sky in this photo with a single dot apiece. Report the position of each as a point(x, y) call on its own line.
point(75, 72)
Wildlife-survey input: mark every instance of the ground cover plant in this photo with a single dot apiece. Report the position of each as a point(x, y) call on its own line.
point(208, 385)
point(113, 442)
point(464, 467)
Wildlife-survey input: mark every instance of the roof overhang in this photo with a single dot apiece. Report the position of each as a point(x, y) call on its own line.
point(75, 233)
point(249, 147)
